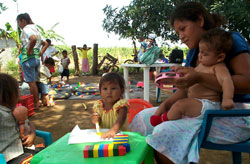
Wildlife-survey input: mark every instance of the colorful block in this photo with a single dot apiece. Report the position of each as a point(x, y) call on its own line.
point(100, 150)
point(95, 150)
point(105, 150)
point(85, 151)
point(110, 150)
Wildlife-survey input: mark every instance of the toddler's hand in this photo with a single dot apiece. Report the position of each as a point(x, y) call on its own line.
point(109, 134)
point(28, 140)
point(95, 118)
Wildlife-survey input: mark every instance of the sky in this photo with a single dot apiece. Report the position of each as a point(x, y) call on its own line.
point(80, 21)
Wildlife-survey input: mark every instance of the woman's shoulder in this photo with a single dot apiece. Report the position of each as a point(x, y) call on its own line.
point(240, 44)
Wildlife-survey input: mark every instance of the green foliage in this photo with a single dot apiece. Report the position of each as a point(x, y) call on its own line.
point(142, 17)
point(51, 34)
point(9, 32)
point(12, 67)
point(2, 7)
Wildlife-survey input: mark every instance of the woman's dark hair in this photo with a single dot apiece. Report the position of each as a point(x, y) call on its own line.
point(112, 78)
point(221, 41)
point(192, 10)
point(26, 17)
point(8, 91)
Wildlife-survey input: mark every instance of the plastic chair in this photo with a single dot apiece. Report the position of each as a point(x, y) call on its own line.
point(236, 149)
point(43, 134)
point(135, 106)
point(46, 137)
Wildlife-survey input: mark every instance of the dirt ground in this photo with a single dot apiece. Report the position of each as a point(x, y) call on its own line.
point(61, 119)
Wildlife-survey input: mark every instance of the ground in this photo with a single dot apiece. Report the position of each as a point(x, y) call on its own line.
point(62, 118)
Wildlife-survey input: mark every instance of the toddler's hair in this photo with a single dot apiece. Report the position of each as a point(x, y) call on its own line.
point(64, 52)
point(112, 78)
point(50, 61)
point(8, 91)
point(220, 40)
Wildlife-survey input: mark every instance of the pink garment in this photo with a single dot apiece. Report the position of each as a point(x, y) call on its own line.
point(85, 65)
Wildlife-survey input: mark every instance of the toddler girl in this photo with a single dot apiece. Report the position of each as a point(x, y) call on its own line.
point(111, 111)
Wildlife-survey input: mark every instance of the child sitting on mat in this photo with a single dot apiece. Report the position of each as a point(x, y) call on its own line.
point(111, 111)
point(214, 45)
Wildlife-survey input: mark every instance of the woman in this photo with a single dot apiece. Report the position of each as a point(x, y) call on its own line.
point(177, 140)
point(31, 43)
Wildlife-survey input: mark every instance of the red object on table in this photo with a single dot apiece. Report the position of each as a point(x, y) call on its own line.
point(28, 102)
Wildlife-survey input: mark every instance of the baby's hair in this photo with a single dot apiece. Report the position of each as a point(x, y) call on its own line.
point(49, 61)
point(112, 78)
point(221, 41)
point(64, 52)
point(8, 91)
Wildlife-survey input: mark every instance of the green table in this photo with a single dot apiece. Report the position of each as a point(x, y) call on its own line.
point(60, 152)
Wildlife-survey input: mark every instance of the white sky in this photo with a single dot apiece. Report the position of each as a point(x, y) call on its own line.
point(80, 21)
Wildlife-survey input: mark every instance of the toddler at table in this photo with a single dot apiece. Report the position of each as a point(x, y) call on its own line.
point(111, 111)
point(214, 45)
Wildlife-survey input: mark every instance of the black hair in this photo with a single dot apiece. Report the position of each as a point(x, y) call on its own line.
point(64, 52)
point(192, 11)
point(112, 78)
point(48, 40)
point(221, 41)
point(9, 91)
point(49, 61)
point(26, 17)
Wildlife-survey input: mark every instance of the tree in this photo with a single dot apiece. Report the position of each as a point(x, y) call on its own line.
point(142, 17)
point(51, 34)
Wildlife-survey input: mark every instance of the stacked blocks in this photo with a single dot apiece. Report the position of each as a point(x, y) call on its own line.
point(104, 150)
point(119, 147)
point(120, 139)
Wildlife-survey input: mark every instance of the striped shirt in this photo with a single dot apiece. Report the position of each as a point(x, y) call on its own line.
point(10, 142)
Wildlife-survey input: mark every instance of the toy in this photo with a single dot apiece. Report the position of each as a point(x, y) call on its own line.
point(105, 150)
point(165, 80)
point(120, 139)
point(140, 84)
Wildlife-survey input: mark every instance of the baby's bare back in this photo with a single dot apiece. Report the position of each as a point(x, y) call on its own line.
point(201, 92)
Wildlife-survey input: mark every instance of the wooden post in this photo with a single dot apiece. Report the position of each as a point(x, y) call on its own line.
point(75, 56)
point(95, 59)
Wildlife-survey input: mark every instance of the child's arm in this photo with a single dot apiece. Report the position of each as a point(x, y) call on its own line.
point(225, 80)
point(29, 139)
point(122, 115)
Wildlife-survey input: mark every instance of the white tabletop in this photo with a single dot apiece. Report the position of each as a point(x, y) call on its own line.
point(145, 75)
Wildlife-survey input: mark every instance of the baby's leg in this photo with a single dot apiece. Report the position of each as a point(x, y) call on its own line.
point(185, 107)
point(44, 100)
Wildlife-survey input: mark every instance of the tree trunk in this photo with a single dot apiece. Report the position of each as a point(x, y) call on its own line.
point(95, 59)
point(75, 56)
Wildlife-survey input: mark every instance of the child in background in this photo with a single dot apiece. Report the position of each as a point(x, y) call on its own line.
point(42, 82)
point(111, 111)
point(85, 60)
point(214, 45)
point(65, 63)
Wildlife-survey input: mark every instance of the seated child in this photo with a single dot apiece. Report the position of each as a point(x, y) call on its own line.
point(214, 45)
point(42, 82)
point(65, 63)
point(111, 111)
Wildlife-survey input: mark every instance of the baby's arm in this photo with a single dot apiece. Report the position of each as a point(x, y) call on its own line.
point(225, 80)
point(122, 115)
point(22, 130)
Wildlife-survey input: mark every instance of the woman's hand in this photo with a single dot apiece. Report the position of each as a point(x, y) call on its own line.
point(188, 77)
point(28, 140)
point(95, 118)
